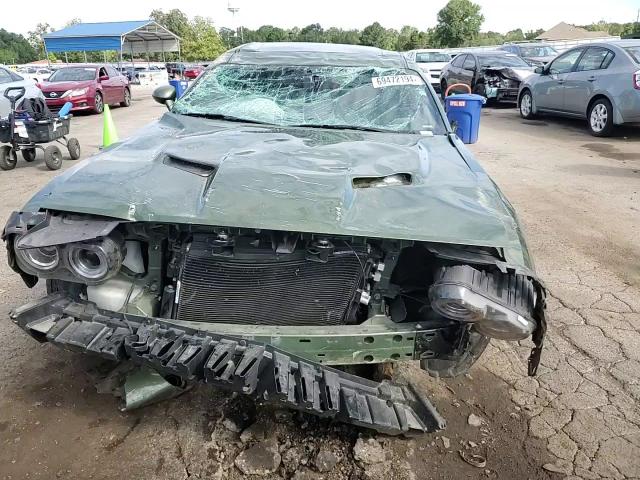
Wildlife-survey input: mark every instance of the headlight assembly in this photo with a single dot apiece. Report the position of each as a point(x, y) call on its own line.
point(89, 262)
point(43, 258)
point(499, 305)
point(95, 261)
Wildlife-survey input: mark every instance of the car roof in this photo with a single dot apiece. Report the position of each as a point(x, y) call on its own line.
point(529, 44)
point(487, 52)
point(303, 53)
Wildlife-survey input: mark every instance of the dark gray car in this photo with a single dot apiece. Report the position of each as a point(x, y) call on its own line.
point(535, 54)
point(599, 82)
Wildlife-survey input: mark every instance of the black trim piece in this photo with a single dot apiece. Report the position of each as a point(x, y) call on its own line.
point(263, 372)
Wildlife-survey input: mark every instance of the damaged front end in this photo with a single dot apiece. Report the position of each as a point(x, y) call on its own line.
point(269, 313)
point(502, 83)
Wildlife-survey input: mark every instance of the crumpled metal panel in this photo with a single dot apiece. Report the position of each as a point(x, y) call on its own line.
point(261, 371)
point(293, 179)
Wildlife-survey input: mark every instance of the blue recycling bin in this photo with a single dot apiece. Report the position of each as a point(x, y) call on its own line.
point(463, 112)
point(180, 86)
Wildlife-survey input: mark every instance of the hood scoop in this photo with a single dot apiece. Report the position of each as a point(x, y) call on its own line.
point(202, 170)
point(395, 179)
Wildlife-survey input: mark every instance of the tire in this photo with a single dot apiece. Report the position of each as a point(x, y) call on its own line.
point(73, 145)
point(127, 98)
point(525, 105)
point(8, 158)
point(443, 88)
point(29, 154)
point(53, 157)
point(600, 118)
point(452, 368)
point(99, 103)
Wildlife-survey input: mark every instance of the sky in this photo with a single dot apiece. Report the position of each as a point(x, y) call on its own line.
point(500, 15)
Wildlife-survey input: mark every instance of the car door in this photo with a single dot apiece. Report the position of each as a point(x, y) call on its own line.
point(586, 79)
point(548, 91)
point(109, 87)
point(455, 69)
point(468, 71)
point(118, 84)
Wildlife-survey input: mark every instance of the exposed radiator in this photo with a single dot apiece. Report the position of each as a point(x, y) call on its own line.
point(289, 290)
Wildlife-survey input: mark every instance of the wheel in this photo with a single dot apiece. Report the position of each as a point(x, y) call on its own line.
point(99, 103)
point(53, 157)
point(29, 154)
point(601, 118)
point(73, 145)
point(476, 344)
point(8, 158)
point(127, 98)
point(526, 105)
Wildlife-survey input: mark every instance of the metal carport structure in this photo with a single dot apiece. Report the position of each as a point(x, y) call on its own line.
point(134, 37)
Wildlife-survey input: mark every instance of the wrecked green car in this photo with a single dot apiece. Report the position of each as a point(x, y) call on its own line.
point(302, 207)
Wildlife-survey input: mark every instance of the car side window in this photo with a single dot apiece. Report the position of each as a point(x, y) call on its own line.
point(459, 60)
point(5, 76)
point(565, 62)
point(469, 63)
point(112, 72)
point(102, 72)
point(594, 59)
point(15, 77)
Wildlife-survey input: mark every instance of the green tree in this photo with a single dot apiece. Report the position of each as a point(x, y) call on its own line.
point(174, 20)
point(35, 38)
point(458, 23)
point(201, 42)
point(532, 34)
point(15, 48)
point(375, 35)
point(311, 33)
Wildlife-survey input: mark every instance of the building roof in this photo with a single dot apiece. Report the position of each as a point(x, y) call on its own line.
point(138, 36)
point(564, 31)
point(306, 53)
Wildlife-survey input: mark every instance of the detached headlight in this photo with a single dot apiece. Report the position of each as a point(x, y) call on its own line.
point(41, 259)
point(95, 261)
point(500, 305)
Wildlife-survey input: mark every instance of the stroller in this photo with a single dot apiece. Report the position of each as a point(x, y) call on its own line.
point(25, 134)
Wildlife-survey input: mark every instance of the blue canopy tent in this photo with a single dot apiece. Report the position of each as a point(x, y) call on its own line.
point(135, 37)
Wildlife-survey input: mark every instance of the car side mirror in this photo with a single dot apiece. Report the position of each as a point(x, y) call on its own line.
point(102, 78)
point(166, 95)
point(539, 70)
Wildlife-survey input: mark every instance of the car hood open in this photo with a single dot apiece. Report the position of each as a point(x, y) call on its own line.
point(195, 171)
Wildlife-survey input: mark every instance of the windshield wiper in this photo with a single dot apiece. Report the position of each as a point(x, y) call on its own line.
point(219, 116)
point(347, 127)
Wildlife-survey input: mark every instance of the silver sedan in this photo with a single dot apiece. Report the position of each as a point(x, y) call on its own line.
point(599, 82)
point(9, 79)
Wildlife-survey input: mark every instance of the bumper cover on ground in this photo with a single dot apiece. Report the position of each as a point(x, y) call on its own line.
point(263, 372)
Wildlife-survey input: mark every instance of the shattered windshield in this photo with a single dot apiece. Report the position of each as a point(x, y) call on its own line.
point(368, 98)
point(538, 51)
point(502, 61)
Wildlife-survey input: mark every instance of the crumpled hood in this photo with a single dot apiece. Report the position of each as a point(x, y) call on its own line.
point(293, 179)
point(518, 74)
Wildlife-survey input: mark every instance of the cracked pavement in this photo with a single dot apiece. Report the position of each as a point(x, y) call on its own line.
point(577, 198)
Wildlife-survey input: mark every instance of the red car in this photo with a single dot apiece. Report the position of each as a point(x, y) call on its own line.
point(193, 71)
point(88, 87)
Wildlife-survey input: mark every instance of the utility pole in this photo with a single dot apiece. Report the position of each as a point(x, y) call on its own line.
point(235, 9)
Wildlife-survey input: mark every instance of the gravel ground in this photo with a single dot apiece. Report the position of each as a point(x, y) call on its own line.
point(577, 197)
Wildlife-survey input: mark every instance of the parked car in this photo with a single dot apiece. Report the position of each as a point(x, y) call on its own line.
point(87, 87)
point(534, 53)
point(37, 74)
point(304, 206)
point(193, 71)
point(599, 82)
point(492, 74)
point(9, 78)
point(175, 68)
point(430, 62)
